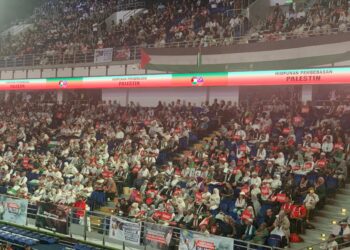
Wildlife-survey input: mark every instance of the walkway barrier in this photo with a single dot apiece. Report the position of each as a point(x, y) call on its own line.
point(105, 229)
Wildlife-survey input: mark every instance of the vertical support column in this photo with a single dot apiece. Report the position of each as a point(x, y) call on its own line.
point(207, 98)
point(235, 97)
point(7, 95)
point(306, 93)
point(127, 97)
point(60, 96)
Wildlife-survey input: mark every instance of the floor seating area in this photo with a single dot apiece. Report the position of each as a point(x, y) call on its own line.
point(24, 237)
point(84, 247)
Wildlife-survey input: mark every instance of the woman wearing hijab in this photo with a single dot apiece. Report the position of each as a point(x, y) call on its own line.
point(255, 195)
point(214, 200)
point(240, 204)
point(282, 223)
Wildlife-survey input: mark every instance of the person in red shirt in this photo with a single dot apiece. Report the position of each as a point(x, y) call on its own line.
point(80, 208)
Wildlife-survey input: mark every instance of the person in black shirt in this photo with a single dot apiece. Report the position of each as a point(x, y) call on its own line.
point(269, 220)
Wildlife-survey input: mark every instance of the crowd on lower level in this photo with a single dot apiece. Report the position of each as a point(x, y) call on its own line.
point(69, 31)
point(247, 172)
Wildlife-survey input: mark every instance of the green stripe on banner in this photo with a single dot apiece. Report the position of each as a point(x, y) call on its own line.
point(206, 74)
point(68, 79)
point(267, 65)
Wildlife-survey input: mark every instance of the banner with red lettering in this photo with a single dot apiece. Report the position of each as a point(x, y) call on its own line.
point(13, 210)
point(198, 241)
point(158, 237)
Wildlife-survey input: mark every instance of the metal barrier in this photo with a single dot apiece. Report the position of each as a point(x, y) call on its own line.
point(93, 227)
point(134, 52)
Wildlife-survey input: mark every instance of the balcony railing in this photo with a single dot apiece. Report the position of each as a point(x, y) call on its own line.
point(94, 227)
point(133, 53)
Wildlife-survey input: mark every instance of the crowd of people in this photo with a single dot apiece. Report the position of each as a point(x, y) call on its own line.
point(56, 153)
point(263, 172)
point(322, 18)
point(66, 31)
point(63, 29)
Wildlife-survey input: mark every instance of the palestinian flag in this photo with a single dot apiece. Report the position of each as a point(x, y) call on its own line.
point(317, 51)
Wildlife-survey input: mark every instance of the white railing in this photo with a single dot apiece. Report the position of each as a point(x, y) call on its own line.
point(31, 60)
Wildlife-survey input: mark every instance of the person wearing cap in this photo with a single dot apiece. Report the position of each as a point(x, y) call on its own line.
point(342, 232)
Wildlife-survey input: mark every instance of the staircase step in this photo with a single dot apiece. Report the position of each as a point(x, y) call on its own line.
point(332, 207)
point(344, 191)
point(339, 202)
point(329, 214)
point(322, 226)
point(325, 219)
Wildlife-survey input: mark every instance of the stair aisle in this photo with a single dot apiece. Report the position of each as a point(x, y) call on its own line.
point(336, 209)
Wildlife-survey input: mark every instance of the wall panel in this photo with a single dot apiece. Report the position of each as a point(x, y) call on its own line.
point(47, 73)
point(64, 72)
point(98, 71)
point(116, 70)
point(81, 71)
point(6, 74)
point(34, 73)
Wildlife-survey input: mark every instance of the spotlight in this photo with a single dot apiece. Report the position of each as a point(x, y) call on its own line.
point(310, 248)
point(323, 235)
point(334, 222)
point(343, 210)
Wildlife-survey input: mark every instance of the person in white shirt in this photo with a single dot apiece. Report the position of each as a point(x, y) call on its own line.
point(342, 230)
point(22, 180)
point(255, 180)
point(119, 135)
point(241, 203)
point(315, 144)
point(310, 202)
point(328, 136)
point(261, 153)
point(327, 145)
point(240, 132)
point(331, 243)
point(69, 170)
point(280, 161)
point(276, 183)
point(78, 177)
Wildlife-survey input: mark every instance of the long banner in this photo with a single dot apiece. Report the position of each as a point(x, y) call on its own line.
point(53, 217)
point(157, 236)
point(248, 78)
point(126, 231)
point(196, 241)
point(13, 210)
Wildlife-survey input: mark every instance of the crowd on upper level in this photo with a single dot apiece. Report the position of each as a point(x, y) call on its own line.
point(63, 29)
point(265, 169)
